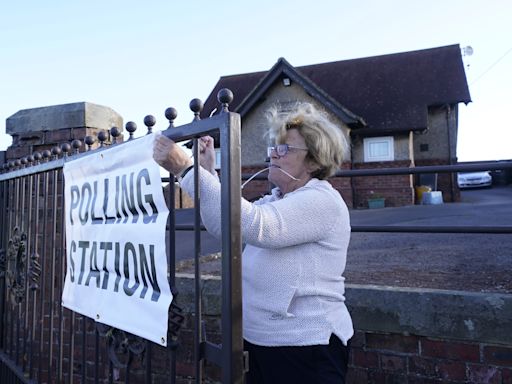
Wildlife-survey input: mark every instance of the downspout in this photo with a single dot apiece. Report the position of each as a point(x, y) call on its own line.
point(450, 152)
point(352, 167)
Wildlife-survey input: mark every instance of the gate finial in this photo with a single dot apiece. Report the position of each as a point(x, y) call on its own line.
point(115, 133)
point(89, 141)
point(76, 144)
point(171, 114)
point(37, 157)
point(149, 121)
point(225, 96)
point(56, 151)
point(196, 106)
point(46, 155)
point(66, 148)
point(102, 137)
point(131, 127)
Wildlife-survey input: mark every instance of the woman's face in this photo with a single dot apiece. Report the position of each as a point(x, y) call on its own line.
point(292, 170)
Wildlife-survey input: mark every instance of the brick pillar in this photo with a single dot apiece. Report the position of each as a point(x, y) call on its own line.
point(42, 128)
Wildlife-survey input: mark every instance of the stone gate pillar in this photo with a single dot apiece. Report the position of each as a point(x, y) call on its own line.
point(37, 129)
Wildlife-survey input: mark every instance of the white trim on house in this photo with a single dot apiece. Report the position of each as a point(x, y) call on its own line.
point(217, 158)
point(379, 149)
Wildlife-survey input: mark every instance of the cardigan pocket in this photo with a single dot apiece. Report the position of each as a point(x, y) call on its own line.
point(280, 305)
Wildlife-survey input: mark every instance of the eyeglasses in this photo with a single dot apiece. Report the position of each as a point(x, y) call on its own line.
point(282, 149)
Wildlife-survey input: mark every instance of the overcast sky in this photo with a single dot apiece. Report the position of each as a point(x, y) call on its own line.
point(140, 57)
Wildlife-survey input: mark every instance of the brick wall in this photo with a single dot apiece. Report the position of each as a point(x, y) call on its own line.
point(181, 198)
point(344, 185)
point(402, 335)
point(258, 188)
point(255, 189)
point(397, 190)
point(397, 358)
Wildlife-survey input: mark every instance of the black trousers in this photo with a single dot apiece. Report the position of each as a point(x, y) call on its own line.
point(315, 364)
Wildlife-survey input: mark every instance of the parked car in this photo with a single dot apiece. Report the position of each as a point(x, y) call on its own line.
point(474, 179)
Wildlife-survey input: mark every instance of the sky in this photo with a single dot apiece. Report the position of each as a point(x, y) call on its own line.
point(140, 57)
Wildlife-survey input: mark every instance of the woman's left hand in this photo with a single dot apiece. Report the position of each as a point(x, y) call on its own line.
point(170, 156)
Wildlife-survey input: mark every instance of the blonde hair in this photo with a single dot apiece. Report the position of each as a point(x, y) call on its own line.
point(325, 140)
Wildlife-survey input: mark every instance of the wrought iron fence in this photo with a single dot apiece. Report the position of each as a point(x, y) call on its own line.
point(42, 342)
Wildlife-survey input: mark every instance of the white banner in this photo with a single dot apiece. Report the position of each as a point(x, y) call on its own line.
point(115, 240)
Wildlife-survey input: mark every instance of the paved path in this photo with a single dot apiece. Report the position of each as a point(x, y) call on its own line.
point(491, 206)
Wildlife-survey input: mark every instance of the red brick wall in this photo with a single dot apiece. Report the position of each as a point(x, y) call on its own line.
point(396, 358)
point(344, 186)
point(396, 189)
point(392, 358)
point(255, 189)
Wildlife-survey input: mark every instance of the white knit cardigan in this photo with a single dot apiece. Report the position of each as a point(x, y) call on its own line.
point(293, 261)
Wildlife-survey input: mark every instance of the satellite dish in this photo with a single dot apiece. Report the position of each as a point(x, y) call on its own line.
point(467, 51)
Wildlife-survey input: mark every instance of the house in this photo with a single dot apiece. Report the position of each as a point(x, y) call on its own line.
point(398, 110)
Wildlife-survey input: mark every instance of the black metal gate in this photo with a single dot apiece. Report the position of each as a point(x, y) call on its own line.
point(42, 342)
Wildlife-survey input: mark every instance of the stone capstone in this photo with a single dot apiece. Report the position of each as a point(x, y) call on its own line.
point(56, 117)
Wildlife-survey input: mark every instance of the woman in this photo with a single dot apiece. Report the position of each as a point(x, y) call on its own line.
point(295, 322)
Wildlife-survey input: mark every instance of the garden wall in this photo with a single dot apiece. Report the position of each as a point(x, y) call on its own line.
point(403, 335)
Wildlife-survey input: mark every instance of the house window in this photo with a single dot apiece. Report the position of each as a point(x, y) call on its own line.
point(217, 158)
point(379, 149)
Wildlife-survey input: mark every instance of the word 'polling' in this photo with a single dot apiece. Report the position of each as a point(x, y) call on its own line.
point(113, 200)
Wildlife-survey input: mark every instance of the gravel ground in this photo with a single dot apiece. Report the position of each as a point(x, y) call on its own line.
point(469, 262)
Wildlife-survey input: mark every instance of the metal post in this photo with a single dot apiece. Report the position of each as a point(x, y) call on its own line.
point(232, 339)
point(198, 334)
point(44, 258)
point(172, 266)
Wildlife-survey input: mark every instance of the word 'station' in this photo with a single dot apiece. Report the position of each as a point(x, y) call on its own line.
point(142, 267)
point(115, 240)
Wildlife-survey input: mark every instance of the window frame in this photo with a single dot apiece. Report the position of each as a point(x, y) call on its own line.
point(217, 158)
point(368, 141)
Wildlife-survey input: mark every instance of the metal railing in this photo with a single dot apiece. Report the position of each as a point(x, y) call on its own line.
point(481, 166)
point(42, 342)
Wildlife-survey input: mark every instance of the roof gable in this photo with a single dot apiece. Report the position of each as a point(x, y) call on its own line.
point(388, 92)
point(283, 69)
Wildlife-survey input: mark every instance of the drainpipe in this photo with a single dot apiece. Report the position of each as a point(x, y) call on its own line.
point(352, 167)
point(450, 152)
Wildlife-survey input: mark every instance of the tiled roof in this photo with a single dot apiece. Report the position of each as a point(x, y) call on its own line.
point(389, 92)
